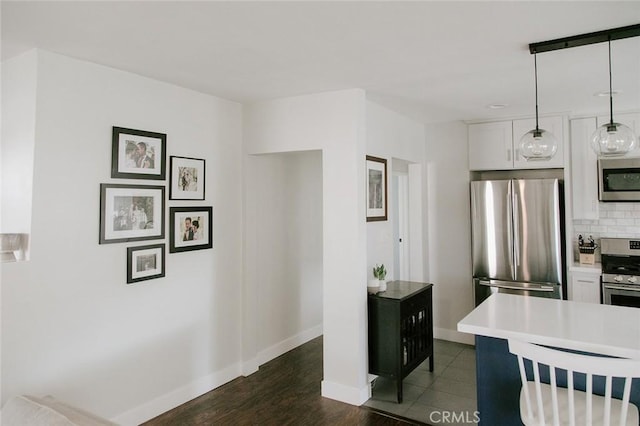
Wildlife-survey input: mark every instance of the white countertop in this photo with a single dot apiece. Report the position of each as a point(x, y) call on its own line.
point(595, 269)
point(601, 329)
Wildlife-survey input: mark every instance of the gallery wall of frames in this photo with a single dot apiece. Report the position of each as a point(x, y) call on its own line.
point(136, 212)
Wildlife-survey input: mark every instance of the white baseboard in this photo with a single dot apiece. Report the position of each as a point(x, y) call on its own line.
point(171, 400)
point(251, 366)
point(198, 387)
point(347, 394)
point(453, 336)
point(285, 346)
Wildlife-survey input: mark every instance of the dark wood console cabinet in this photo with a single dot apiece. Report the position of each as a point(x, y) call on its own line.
point(400, 330)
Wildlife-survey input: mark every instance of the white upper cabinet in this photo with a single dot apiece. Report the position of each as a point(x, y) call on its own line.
point(584, 169)
point(495, 146)
point(629, 119)
point(491, 146)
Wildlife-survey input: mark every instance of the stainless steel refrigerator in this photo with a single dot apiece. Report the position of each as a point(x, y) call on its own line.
point(517, 238)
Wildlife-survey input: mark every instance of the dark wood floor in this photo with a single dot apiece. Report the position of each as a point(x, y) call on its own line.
point(284, 391)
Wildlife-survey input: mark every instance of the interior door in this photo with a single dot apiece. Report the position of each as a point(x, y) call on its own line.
point(491, 227)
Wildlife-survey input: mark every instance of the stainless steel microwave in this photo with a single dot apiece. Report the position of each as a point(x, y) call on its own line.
point(619, 179)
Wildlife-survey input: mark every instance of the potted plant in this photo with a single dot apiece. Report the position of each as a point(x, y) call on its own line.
point(380, 273)
point(373, 285)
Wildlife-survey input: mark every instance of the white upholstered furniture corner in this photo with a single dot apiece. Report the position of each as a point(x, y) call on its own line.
point(26, 410)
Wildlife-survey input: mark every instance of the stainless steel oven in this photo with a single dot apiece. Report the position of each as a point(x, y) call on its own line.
point(620, 271)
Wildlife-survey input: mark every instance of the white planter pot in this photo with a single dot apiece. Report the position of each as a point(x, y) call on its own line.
point(382, 285)
point(373, 286)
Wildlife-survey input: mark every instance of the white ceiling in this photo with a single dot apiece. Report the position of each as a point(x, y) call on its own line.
point(434, 61)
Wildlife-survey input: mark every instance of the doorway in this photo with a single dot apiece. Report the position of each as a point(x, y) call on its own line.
point(400, 214)
point(284, 220)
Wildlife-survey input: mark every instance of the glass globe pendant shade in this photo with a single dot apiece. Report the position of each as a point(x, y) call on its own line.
point(613, 139)
point(538, 145)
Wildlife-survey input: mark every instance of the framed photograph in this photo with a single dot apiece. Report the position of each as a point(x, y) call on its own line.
point(145, 263)
point(376, 188)
point(187, 178)
point(138, 154)
point(190, 228)
point(131, 213)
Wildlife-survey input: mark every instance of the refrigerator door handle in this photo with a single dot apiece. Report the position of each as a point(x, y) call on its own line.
point(516, 229)
point(514, 286)
point(510, 230)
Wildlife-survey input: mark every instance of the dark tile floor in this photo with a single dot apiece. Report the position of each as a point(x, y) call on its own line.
point(445, 396)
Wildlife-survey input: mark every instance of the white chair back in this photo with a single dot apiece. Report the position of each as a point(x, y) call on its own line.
point(542, 404)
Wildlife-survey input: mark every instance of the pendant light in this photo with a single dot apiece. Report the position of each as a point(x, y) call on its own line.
point(613, 139)
point(538, 144)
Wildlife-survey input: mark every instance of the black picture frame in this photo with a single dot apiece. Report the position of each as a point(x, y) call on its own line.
point(145, 262)
point(376, 178)
point(131, 213)
point(186, 178)
point(138, 154)
point(182, 236)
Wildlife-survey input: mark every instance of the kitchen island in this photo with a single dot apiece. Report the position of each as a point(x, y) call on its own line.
point(585, 327)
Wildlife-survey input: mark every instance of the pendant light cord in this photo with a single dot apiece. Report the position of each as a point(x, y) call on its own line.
point(535, 67)
point(610, 85)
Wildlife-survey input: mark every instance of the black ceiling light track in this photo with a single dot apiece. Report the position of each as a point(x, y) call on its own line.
point(611, 139)
point(585, 39)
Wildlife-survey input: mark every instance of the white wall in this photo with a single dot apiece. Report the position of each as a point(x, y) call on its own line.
point(69, 321)
point(71, 326)
point(334, 123)
point(394, 136)
point(304, 232)
point(288, 235)
point(18, 135)
point(449, 228)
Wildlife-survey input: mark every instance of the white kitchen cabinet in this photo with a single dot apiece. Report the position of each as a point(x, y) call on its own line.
point(491, 146)
point(495, 145)
point(585, 285)
point(584, 170)
point(550, 124)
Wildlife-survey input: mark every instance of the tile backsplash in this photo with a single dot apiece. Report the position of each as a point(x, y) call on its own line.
point(617, 220)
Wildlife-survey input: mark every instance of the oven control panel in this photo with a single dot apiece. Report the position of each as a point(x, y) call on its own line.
point(620, 247)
